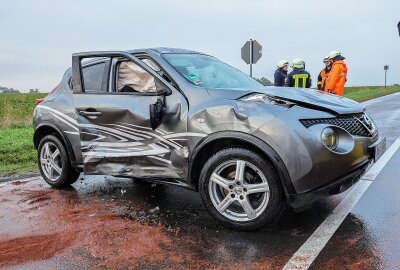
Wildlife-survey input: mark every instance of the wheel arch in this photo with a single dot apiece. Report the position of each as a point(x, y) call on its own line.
point(45, 129)
point(220, 140)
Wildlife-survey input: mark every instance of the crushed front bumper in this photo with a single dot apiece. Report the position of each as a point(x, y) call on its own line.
point(302, 201)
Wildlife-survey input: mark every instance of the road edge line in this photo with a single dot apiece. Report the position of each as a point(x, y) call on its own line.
point(367, 102)
point(306, 254)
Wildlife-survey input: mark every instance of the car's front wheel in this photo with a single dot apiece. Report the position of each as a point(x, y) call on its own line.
point(54, 164)
point(241, 189)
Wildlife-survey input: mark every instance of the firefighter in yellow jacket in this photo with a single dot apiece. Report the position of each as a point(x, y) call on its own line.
point(323, 75)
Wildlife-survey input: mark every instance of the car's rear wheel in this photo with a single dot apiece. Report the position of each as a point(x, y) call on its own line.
point(241, 189)
point(54, 164)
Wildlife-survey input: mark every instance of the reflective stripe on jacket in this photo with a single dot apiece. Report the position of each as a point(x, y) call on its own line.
point(337, 78)
point(299, 78)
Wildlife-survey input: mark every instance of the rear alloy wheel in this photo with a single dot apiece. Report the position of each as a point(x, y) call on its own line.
point(241, 189)
point(50, 161)
point(53, 163)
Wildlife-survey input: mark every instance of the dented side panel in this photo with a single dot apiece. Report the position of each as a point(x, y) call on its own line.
point(121, 141)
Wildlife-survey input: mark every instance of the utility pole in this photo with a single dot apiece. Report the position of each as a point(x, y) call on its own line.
point(385, 68)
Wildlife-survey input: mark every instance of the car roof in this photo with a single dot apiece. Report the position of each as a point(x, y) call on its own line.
point(158, 51)
point(163, 50)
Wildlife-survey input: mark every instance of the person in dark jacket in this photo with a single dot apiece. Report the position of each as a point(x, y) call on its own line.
point(281, 73)
point(299, 77)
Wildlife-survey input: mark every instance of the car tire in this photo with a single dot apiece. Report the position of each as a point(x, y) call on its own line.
point(54, 164)
point(227, 191)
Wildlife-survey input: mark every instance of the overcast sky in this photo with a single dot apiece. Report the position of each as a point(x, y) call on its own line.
point(38, 37)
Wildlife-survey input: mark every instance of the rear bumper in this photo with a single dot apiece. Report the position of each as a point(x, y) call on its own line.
point(301, 201)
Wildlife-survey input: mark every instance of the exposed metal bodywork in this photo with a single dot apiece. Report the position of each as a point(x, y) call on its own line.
point(121, 142)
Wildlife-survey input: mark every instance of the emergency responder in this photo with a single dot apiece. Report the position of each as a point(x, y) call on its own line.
point(299, 77)
point(337, 77)
point(324, 74)
point(281, 73)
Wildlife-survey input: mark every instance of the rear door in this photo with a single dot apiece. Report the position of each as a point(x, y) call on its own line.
point(114, 123)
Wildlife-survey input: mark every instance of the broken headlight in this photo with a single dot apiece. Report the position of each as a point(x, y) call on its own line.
point(268, 99)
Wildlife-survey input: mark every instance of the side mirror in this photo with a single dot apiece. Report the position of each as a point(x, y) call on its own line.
point(398, 26)
point(156, 112)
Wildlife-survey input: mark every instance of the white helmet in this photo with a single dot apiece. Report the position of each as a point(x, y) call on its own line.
point(283, 63)
point(298, 63)
point(333, 54)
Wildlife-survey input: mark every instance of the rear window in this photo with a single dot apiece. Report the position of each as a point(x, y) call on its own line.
point(93, 77)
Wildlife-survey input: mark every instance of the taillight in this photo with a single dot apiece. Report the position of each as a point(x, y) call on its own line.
point(39, 100)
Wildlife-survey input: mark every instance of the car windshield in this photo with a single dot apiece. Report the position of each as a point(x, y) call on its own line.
point(209, 72)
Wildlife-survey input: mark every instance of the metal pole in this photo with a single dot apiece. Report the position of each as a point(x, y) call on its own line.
point(251, 58)
point(385, 78)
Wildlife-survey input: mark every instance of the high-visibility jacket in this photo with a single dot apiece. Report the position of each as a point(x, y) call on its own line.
point(337, 78)
point(298, 78)
point(322, 76)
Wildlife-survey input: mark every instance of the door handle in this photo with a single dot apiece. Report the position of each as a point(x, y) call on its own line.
point(90, 113)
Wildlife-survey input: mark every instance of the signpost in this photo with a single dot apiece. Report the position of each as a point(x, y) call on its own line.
point(385, 68)
point(251, 52)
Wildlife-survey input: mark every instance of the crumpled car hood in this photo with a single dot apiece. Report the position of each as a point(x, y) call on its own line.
point(303, 97)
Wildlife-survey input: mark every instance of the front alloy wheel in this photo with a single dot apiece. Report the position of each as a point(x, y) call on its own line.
point(241, 189)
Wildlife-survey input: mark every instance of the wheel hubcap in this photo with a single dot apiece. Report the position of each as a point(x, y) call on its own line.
point(239, 190)
point(50, 161)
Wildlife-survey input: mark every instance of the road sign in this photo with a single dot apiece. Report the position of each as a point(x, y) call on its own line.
point(385, 68)
point(251, 52)
point(246, 52)
point(257, 51)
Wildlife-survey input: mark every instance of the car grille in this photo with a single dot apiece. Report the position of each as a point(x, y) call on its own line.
point(355, 124)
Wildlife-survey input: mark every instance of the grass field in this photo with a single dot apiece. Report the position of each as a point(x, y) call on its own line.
point(369, 92)
point(17, 153)
point(16, 109)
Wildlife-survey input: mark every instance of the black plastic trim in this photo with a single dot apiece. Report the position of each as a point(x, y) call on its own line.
point(302, 201)
point(64, 137)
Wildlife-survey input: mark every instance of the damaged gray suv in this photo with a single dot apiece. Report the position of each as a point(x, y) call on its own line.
point(185, 118)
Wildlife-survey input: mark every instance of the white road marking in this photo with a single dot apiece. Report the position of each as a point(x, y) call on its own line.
point(374, 100)
point(307, 253)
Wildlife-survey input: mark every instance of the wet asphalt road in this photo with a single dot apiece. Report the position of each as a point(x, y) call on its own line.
point(104, 222)
point(369, 238)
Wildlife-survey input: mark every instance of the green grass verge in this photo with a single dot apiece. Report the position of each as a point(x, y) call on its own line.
point(17, 153)
point(369, 92)
point(16, 109)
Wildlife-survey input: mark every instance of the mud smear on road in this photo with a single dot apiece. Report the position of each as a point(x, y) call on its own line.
point(38, 247)
point(49, 227)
